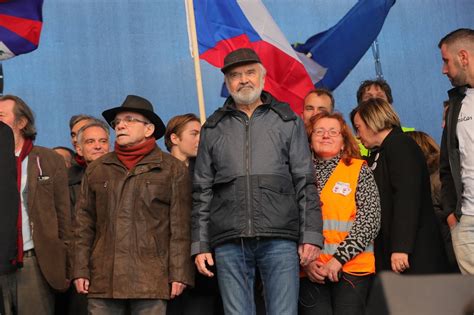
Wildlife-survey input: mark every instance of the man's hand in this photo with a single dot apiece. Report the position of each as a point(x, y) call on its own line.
point(200, 262)
point(177, 288)
point(308, 253)
point(332, 268)
point(399, 262)
point(314, 272)
point(452, 221)
point(82, 285)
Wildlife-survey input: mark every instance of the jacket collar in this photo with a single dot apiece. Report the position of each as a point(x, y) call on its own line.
point(395, 131)
point(150, 161)
point(458, 91)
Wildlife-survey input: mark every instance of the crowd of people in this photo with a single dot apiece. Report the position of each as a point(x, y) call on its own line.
point(258, 204)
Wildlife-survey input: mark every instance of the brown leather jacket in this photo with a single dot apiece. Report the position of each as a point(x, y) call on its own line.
point(48, 211)
point(132, 228)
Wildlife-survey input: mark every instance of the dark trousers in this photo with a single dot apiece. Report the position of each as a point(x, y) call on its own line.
point(347, 296)
point(26, 291)
point(126, 306)
point(71, 302)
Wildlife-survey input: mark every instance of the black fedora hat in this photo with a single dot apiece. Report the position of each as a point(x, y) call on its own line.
point(139, 105)
point(239, 57)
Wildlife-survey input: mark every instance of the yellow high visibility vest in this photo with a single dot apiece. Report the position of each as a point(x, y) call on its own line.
point(339, 212)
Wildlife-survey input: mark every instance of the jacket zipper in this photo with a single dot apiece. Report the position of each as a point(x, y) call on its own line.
point(247, 173)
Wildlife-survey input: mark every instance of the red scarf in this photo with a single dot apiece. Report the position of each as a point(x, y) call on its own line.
point(130, 156)
point(80, 160)
point(25, 150)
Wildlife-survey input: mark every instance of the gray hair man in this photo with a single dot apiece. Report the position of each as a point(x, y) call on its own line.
point(255, 203)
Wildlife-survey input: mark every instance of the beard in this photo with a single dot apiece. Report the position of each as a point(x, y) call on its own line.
point(460, 79)
point(247, 95)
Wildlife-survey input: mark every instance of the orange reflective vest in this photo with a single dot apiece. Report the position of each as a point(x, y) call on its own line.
point(339, 212)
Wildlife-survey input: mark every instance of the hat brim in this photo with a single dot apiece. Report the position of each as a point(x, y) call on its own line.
point(160, 128)
point(238, 63)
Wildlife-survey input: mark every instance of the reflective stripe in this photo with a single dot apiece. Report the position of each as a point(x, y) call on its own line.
point(330, 249)
point(335, 225)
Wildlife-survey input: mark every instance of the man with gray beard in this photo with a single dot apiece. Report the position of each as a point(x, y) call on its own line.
point(254, 200)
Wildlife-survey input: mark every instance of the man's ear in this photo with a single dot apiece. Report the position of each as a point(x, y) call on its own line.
point(21, 123)
point(149, 130)
point(79, 150)
point(463, 56)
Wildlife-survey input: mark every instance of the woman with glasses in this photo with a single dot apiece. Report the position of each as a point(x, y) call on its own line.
point(409, 240)
point(338, 281)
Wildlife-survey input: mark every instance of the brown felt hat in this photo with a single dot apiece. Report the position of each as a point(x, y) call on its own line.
point(239, 57)
point(139, 105)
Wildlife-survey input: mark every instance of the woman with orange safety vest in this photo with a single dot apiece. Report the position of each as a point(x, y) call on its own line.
point(339, 280)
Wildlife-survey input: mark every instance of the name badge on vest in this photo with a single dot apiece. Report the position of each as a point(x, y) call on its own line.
point(342, 188)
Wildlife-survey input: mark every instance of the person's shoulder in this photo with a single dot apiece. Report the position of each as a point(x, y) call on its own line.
point(402, 146)
point(173, 162)
point(44, 152)
point(99, 162)
point(215, 118)
point(282, 109)
point(400, 139)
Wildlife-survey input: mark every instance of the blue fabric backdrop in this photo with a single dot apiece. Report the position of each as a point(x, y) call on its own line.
point(94, 52)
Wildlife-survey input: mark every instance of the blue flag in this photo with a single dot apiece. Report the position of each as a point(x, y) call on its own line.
point(337, 50)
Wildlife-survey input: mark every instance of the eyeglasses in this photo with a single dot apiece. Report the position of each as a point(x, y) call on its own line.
point(127, 120)
point(331, 132)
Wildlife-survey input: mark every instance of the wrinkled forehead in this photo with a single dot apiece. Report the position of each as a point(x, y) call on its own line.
point(94, 132)
point(244, 68)
point(124, 114)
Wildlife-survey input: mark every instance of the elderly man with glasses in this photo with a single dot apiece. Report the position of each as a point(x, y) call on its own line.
point(132, 227)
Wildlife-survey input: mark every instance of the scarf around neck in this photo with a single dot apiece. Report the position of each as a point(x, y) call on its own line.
point(80, 160)
point(130, 156)
point(25, 150)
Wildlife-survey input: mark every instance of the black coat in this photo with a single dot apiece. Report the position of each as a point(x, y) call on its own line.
point(9, 197)
point(408, 219)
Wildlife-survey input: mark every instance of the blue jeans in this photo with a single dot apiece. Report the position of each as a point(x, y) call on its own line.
point(278, 263)
point(345, 297)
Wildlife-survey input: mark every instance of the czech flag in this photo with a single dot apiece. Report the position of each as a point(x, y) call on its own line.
point(223, 26)
point(20, 26)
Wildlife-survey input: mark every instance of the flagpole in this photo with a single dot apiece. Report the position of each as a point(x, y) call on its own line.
point(195, 55)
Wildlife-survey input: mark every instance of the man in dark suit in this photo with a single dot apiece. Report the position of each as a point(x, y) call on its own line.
point(43, 217)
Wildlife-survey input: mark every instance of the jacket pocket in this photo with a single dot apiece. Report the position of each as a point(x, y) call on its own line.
point(223, 217)
point(155, 195)
point(277, 207)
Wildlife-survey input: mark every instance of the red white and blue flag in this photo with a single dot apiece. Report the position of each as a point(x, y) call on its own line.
point(20, 26)
point(225, 25)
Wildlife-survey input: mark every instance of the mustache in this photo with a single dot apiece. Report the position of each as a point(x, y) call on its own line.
point(246, 85)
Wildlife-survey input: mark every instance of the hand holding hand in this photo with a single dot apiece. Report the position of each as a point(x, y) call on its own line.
point(332, 269)
point(308, 253)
